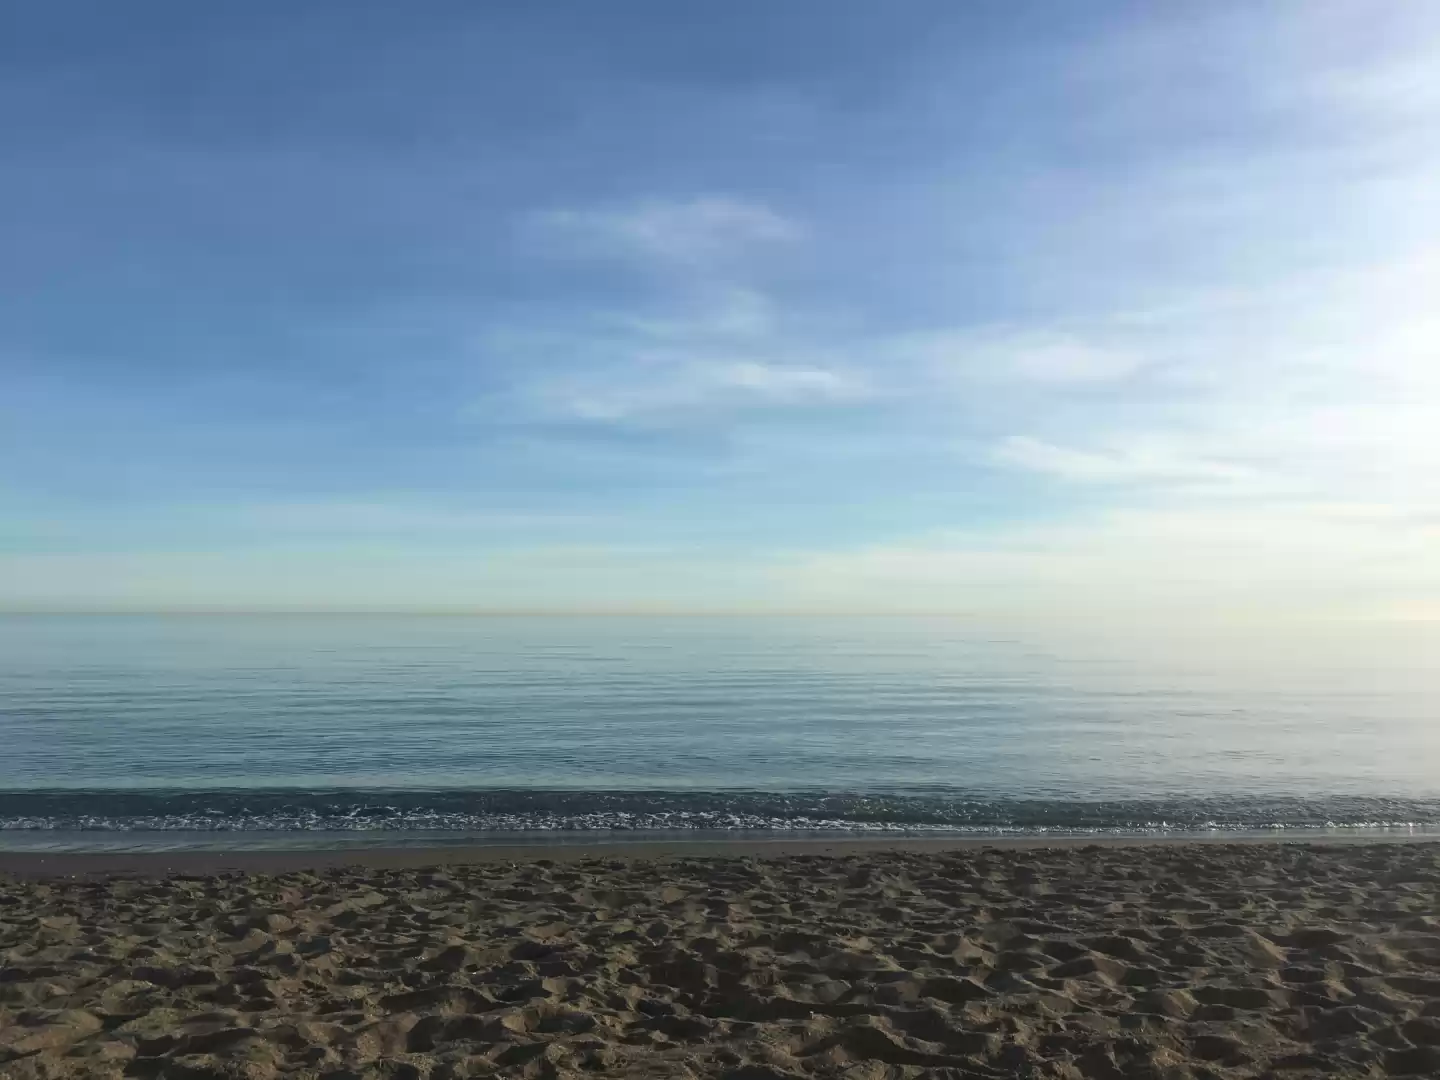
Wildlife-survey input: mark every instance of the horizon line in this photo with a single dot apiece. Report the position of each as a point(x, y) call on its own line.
point(503, 612)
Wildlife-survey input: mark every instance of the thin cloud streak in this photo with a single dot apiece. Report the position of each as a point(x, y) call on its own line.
point(662, 391)
point(1142, 462)
point(691, 232)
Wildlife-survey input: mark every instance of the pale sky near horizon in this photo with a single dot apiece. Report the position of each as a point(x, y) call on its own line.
point(990, 307)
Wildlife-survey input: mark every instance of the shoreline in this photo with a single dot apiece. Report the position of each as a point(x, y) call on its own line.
point(36, 864)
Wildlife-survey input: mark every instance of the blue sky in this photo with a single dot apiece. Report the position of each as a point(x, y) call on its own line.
point(987, 307)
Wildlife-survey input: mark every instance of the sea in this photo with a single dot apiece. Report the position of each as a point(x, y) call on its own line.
point(193, 732)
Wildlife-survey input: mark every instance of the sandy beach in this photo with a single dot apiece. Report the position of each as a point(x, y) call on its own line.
point(1152, 961)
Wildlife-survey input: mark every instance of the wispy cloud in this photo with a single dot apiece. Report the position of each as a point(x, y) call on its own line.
point(1141, 461)
point(718, 315)
point(671, 391)
point(1037, 356)
point(379, 517)
point(687, 232)
point(712, 352)
point(1324, 387)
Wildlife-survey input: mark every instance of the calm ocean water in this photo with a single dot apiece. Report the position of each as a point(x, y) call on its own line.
point(169, 731)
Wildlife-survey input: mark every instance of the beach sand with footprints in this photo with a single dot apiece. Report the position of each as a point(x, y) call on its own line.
point(1156, 961)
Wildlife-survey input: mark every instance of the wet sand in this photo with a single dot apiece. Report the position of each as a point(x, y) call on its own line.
point(888, 959)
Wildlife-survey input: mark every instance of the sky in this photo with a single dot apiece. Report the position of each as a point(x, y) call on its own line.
point(992, 308)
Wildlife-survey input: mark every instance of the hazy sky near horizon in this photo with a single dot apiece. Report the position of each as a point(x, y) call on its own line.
point(989, 306)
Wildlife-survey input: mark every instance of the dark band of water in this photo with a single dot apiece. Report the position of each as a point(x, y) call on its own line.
point(323, 816)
